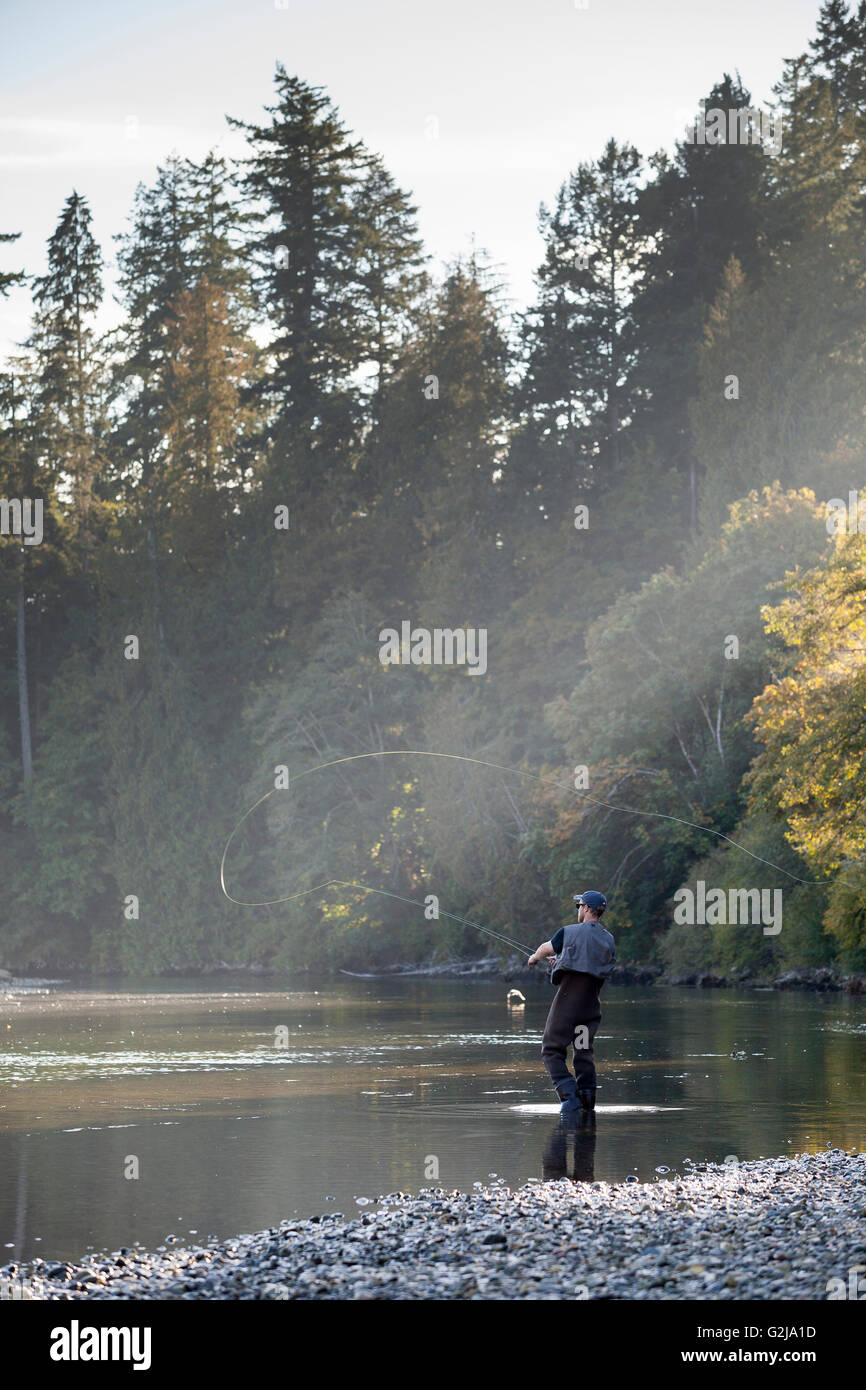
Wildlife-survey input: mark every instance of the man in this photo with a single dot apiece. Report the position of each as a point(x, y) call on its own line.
point(585, 956)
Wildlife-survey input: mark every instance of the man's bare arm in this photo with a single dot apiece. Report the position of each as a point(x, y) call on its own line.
point(545, 949)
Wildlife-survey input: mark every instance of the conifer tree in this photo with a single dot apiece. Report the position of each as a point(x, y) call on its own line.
point(209, 414)
point(702, 207)
point(9, 279)
point(186, 365)
point(440, 444)
point(154, 270)
point(338, 255)
point(576, 394)
point(389, 258)
point(837, 54)
point(71, 396)
point(300, 175)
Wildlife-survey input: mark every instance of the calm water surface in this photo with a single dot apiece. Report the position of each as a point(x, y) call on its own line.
point(240, 1107)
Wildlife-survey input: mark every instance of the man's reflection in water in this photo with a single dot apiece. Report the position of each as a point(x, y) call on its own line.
point(554, 1162)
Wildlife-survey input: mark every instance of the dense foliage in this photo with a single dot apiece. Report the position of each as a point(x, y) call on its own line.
point(300, 435)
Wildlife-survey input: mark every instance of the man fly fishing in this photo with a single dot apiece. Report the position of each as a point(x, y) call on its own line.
point(584, 956)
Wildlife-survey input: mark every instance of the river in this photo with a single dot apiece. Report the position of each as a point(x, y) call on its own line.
point(189, 1110)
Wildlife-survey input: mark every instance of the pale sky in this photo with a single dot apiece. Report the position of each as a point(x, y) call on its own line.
point(480, 108)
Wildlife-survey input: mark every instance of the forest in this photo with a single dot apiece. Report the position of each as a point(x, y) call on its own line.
point(301, 433)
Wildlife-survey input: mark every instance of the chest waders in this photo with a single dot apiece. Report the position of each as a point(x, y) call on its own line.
point(572, 1022)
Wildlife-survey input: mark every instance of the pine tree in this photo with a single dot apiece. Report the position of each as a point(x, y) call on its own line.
point(9, 279)
point(429, 468)
point(701, 208)
point(339, 266)
point(154, 270)
point(837, 54)
point(208, 412)
point(186, 366)
point(389, 257)
point(301, 175)
point(819, 178)
point(575, 395)
point(71, 399)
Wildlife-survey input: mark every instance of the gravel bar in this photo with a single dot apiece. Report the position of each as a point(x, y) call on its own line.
point(769, 1229)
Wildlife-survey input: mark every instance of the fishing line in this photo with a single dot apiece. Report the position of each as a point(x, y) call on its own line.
point(440, 912)
point(479, 762)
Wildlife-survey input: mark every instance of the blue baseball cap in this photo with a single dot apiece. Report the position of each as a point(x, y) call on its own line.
point(596, 902)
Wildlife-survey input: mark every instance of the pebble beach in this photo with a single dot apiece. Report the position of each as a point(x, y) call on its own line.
point(785, 1228)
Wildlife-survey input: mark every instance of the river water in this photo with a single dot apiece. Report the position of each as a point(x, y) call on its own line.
point(130, 1114)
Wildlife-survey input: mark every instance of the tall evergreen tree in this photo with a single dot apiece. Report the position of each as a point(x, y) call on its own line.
point(389, 258)
point(186, 364)
point(71, 398)
point(837, 53)
point(338, 255)
point(575, 395)
point(820, 177)
point(430, 466)
point(213, 366)
point(301, 175)
point(154, 270)
point(701, 207)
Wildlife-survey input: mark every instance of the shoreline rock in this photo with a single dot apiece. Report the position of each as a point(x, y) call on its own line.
point(821, 979)
point(782, 1228)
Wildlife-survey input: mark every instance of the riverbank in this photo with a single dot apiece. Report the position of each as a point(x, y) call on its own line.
point(783, 1228)
point(821, 979)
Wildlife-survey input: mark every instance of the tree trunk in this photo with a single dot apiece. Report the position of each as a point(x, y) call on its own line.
point(157, 592)
point(23, 694)
point(613, 363)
